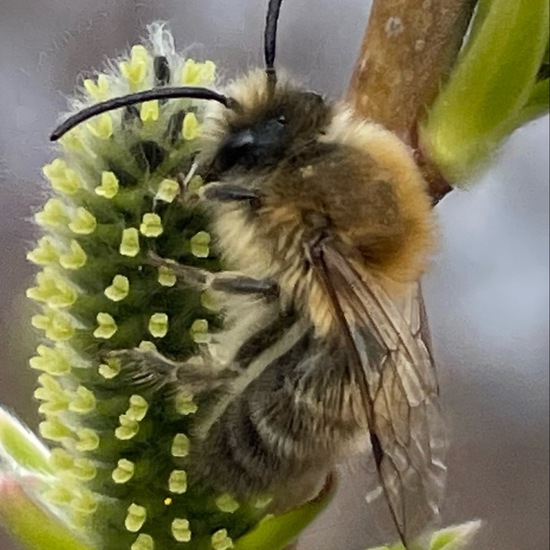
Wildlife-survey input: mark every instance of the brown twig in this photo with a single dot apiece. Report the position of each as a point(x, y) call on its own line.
point(408, 49)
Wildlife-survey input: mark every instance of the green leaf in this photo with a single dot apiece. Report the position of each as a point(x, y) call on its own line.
point(20, 447)
point(31, 525)
point(277, 532)
point(490, 85)
point(457, 537)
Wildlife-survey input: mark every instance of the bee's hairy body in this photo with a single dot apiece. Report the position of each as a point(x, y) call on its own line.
point(295, 410)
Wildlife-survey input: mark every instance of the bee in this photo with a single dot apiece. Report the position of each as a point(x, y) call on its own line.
point(325, 223)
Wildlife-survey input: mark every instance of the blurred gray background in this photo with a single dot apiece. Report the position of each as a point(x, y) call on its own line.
point(487, 293)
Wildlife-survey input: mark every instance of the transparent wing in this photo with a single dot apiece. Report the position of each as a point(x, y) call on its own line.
point(388, 344)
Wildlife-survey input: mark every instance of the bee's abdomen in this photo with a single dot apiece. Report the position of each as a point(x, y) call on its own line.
point(287, 429)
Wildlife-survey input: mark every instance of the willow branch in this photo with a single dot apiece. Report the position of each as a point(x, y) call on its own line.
point(408, 49)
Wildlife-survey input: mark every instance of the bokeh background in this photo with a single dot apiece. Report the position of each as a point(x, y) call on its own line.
point(487, 292)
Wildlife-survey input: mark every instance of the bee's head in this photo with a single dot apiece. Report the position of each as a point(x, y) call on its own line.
point(271, 123)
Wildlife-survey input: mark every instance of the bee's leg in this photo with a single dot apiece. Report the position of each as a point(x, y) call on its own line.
point(226, 281)
point(151, 370)
point(228, 192)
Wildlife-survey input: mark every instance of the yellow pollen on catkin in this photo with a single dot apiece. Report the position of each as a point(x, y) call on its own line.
point(200, 244)
point(138, 408)
point(151, 225)
point(61, 177)
point(54, 430)
point(60, 459)
point(190, 127)
point(109, 185)
point(99, 89)
point(118, 289)
point(177, 482)
point(226, 503)
point(143, 542)
point(75, 258)
point(57, 325)
point(158, 325)
point(194, 73)
point(129, 244)
point(180, 530)
point(135, 69)
point(53, 289)
point(83, 223)
point(82, 401)
point(199, 331)
point(166, 276)
point(180, 446)
point(86, 502)
point(128, 428)
point(168, 190)
point(45, 253)
point(135, 518)
point(149, 111)
point(110, 369)
point(53, 215)
point(101, 126)
point(221, 540)
point(184, 403)
point(50, 361)
point(88, 440)
point(146, 345)
point(124, 471)
point(106, 326)
point(83, 469)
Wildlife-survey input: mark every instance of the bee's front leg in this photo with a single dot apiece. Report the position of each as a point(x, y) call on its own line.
point(152, 370)
point(226, 281)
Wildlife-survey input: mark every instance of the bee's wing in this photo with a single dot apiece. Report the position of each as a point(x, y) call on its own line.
point(391, 360)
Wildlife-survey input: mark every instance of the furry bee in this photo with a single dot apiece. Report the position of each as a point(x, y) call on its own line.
point(326, 224)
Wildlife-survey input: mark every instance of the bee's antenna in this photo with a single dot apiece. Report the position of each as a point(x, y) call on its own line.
point(139, 97)
point(270, 39)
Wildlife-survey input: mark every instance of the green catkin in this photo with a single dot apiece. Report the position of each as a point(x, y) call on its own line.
point(119, 449)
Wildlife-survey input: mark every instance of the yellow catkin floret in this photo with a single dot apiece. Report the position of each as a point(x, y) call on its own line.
point(129, 244)
point(180, 446)
point(135, 518)
point(106, 326)
point(62, 178)
point(143, 542)
point(97, 89)
point(200, 244)
point(53, 215)
point(168, 190)
point(138, 408)
point(199, 331)
point(135, 69)
point(83, 223)
point(124, 471)
point(102, 126)
point(158, 325)
point(190, 127)
point(184, 403)
point(82, 401)
point(128, 428)
point(226, 503)
point(109, 185)
point(88, 440)
point(46, 253)
point(74, 258)
point(118, 289)
point(110, 369)
point(51, 361)
point(166, 276)
point(221, 540)
point(180, 530)
point(177, 482)
point(151, 225)
point(149, 111)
